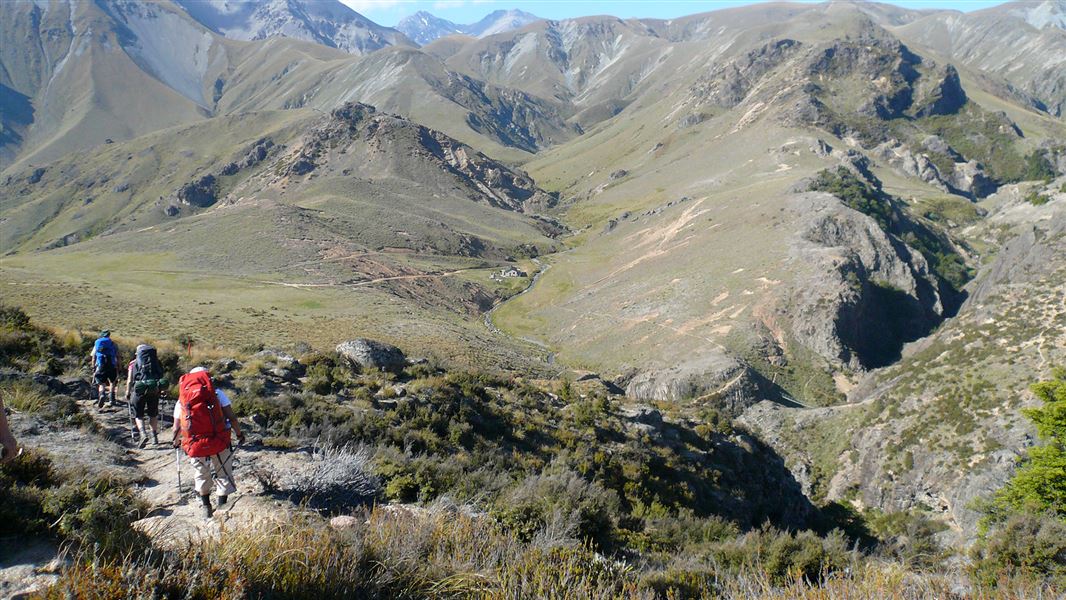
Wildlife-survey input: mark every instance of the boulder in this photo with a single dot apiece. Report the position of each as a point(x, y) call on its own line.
point(715, 378)
point(343, 522)
point(370, 354)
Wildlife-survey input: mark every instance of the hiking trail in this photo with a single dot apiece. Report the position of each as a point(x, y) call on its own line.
point(174, 519)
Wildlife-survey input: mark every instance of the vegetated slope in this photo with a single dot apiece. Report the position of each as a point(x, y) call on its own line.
point(942, 428)
point(326, 22)
point(356, 204)
point(704, 275)
point(423, 27)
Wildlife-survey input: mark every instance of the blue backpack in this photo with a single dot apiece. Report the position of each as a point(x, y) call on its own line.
point(105, 353)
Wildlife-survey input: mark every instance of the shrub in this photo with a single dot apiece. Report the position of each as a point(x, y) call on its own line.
point(1038, 167)
point(334, 479)
point(1036, 198)
point(783, 557)
point(37, 499)
point(1039, 483)
point(857, 194)
point(527, 508)
point(1026, 546)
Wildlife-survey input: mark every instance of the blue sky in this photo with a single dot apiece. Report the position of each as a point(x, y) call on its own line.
point(388, 12)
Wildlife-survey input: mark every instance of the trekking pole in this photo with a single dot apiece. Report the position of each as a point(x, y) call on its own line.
point(177, 467)
point(133, 424)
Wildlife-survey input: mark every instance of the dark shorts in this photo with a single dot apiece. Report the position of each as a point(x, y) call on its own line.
point(147, 402)
point(105, 375)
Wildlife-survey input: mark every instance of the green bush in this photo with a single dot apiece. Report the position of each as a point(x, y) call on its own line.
point(1036, 198)
point(1026, 546)
point(1038, 167)
point(527, 508)
point(37, 499)
point(856, 194)
point(784, 557)
point(1039, 484)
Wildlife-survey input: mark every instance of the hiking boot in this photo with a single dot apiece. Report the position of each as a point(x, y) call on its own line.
point(206, 509)
point(99, 401)
point(222, 500)
point(155, 438)
point(144, 441)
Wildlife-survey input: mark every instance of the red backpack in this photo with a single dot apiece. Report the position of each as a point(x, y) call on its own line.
point(202, 424)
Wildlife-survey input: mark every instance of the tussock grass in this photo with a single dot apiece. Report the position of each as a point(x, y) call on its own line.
point(442, 552)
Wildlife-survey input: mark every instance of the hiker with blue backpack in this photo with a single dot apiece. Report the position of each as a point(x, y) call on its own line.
point(145, 383)
point(104, 360)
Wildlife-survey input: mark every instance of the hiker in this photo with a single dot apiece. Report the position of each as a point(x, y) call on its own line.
point(9, 448)
point(203, 418)
point(105, 367)
point(144, 386)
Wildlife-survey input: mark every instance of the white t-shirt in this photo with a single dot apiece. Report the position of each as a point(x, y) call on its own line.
point(223, 400)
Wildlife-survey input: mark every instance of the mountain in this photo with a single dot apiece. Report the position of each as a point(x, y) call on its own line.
point(66, 87)
point(423, 27)
point(326, 22)
point(818, 221)
point(1032, 30)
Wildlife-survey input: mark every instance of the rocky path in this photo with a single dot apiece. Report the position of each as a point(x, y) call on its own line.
point(174, 517)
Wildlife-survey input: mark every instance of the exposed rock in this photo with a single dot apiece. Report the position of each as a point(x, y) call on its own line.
point(729, 84)
point(201, 192)
point(946, 96)
point(35, 176)
point(122, 187)
point(171, 211)
point(864, 293)
point(690, 120)
point(620, 173)
point(970, 177)
point(715, 379)
point(645, 415)
point(344, 522)
point(369, 354)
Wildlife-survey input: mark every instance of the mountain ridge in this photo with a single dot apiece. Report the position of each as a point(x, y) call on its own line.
point(424, 27)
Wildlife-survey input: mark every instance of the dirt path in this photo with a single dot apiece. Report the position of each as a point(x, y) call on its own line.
point(174, 518)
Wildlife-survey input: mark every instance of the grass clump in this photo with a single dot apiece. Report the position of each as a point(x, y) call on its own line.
point(29, 397)
point(1036, 198)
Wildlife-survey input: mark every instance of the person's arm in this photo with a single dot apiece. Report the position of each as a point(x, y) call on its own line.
point(129, 378)
point(7, 439)
point(227, 411)
point(176, 439)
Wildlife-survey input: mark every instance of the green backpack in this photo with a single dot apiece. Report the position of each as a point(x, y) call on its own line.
point(148, 371)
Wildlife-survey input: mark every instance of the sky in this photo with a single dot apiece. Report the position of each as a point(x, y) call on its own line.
point(389, 12)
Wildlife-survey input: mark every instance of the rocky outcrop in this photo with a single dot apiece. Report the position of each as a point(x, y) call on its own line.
point(729, 84)
point(945, 96)
point(863, 293)
point(379, 135)
point(713, 379)
point(202, 192)
point(255, 155)
point(369, 354)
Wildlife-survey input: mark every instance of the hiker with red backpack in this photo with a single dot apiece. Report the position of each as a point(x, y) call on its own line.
point(104, 360)
point(203, 419)
point(145, 384)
